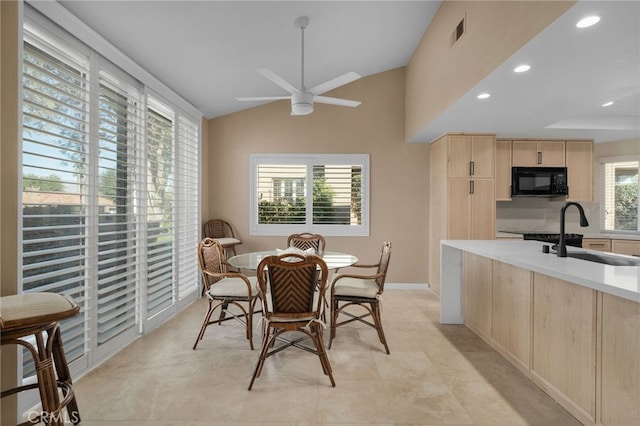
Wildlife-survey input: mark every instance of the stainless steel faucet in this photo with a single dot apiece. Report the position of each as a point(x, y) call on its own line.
point(562, 244)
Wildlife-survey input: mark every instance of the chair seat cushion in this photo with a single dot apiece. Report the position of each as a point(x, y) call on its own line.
point(357, 287)
point(228, 242)
point(35, 308)
point(233, 287)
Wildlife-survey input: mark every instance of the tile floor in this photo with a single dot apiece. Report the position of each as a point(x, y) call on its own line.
point(435, 375)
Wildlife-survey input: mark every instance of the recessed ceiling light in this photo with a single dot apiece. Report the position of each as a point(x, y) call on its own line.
point(483, 95)
point(607, 104)
point(521, 68)
point(588, 21)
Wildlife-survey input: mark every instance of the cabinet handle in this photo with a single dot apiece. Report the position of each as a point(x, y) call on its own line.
point(472, 168)
point(471, 187)
point(539, 157)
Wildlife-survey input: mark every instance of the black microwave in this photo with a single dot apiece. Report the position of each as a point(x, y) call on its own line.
point(539, 181)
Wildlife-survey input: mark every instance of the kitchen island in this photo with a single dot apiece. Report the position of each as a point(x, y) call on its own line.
point(572, 326)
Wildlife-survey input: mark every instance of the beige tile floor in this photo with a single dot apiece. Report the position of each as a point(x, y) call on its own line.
point(435, 375)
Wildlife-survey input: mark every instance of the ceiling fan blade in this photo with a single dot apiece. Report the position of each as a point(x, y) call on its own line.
point(266, 72)
point(336, 82)
point(336, 101)
point(262, 98)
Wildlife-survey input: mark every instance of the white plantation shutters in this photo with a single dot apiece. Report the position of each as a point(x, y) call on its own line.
point(325, 194)
point(110, 211)
point(188, 205)
point(620, 193)
point(120, 136)
point(55, 146)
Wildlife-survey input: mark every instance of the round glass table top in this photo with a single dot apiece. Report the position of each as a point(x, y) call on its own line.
point(250, 261)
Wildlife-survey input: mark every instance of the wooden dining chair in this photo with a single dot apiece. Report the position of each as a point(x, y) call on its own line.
point(222, 231)
point(292, 287)
point(361, 291)
point(224, 288)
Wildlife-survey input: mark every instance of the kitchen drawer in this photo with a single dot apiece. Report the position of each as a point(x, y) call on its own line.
point(628, 247)
point(600, 244)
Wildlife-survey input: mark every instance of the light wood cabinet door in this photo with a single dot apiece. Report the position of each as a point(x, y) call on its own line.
point(628, 247)
point(511, 311)
point(471, 156)
point(484, 155)
point(483, 210)
point(620, 371)
point(459, 156)
point(503, 170)
point(579, 160)
point(564, 336)
point(476, 279)
point(459, 209)
point(538, 153)
point(600, 244)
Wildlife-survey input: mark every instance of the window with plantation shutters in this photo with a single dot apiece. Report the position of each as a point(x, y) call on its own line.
point(620, 194)
point(110, 200)
point(325, 194)
point(55, 180)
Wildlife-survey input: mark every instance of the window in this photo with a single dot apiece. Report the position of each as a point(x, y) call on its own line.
point(327, 194)
point(619, 188)
point(110, 210)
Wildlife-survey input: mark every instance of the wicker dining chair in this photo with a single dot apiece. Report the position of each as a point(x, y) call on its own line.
point(224, 288)
point(364, 291)
point(306, 241)
point(222, 231)
point(292, 287)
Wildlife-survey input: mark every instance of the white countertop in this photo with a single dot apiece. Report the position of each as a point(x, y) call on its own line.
point(621, 281)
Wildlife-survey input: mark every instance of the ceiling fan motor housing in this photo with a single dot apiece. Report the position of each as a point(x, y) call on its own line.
point(301, 103)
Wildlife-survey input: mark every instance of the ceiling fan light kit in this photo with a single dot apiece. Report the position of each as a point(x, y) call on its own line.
point(302, 99)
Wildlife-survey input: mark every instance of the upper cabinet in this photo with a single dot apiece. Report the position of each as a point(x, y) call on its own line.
point(579, 159)
point(503, 170)
point(538, 153)
point(471, 156)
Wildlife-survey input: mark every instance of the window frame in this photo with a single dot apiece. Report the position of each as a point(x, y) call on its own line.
point(309, 160)
point(603, 193)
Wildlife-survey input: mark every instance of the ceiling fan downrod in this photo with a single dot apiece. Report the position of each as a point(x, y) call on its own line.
point(302, 23)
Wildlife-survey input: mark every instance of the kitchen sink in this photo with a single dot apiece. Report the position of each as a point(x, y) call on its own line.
point(606, 259)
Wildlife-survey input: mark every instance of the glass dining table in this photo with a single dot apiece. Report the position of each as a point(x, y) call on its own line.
point(250, 261)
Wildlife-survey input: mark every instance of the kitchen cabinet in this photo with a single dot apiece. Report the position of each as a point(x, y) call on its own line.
point(600, 244)
point(511, 312)
point(579, 162)
point(620, 370)
point(461, 193)
point(476, 279)
point(564, 332)
point(526, 153)
point(503, 170)
point(628, 247)
point(471, 156)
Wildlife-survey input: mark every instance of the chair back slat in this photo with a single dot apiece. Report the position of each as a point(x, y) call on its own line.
point(211, 259)
point(306, 241)
point(383, 265)
point(291, 282)
point(217, 228)
point(292, 289)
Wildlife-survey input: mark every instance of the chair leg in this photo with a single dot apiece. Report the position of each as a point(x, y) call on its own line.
point(375, 310)
point(263, 355)
point(322, 353)
point(205, 323)
point(64, 375)
point(334, 315)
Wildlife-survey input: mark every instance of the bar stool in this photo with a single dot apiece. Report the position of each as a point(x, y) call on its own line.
point(32, 314)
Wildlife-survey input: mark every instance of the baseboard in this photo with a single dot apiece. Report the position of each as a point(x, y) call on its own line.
point(406, 286)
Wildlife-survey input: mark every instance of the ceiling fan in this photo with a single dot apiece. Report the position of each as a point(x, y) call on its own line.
point(302, 99)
